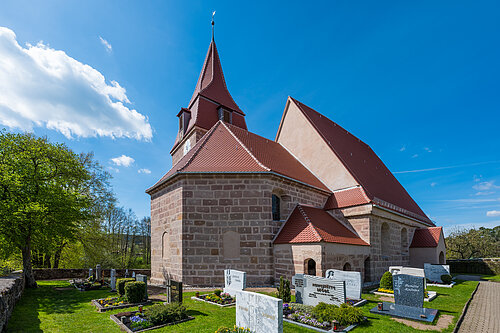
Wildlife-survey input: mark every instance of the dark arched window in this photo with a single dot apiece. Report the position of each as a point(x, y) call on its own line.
point(310, 267)
point(347, 267)
point(441, 258)
point(276, 208)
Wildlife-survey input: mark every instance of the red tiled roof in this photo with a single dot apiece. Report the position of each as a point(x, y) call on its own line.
point(229, 149)
point(347, 198)
point(426, 237)
point(312, 225)
point(209, 94)
point(363, 164)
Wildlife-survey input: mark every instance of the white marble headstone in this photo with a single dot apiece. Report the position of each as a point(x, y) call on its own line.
point(311, 290)
point(259, 313)
point(113, 279)
point(434, 272)
point(234, 281)
point(91, 272)
point(352, 281)
point(133, 274)
point(395, 270)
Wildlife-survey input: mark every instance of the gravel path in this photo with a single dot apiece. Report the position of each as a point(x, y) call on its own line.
point(483, 314)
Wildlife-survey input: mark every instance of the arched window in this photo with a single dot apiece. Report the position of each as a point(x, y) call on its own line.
point(310, 267)
point(441, 258)
point(347, 267)
point(404, 240)
point(385, 239)
point(231, 245)
point(276, 207)
point(367, 269)
point(164, 245)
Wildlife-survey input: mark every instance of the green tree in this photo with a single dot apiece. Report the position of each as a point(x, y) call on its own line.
point(473, 243)
point(44, 194)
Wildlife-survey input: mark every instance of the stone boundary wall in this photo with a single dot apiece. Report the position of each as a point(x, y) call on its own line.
point(11, 289)
point(489, 266)
point(68, 273)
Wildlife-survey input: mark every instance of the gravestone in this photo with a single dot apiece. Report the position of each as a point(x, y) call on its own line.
point(91, 272)
point(352, 282)
point(174, 291)
point(113, 279)
point(311, 290)
point(420, 272)
point(408, 290)
point(395, 269)
point(408, 300)
point(434, 272)
point(133, 274)
point(143, 278)
point(126, 273)
point(98, 272)
point(259, 313)
point(234, 281)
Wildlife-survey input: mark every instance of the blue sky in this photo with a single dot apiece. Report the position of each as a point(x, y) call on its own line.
point(417, 81)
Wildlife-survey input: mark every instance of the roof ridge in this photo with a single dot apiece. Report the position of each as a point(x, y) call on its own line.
point(308, 221)
point(245, 147)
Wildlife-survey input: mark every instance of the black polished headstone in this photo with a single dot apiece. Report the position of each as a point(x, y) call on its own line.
point(408, 290)
point(174, 291)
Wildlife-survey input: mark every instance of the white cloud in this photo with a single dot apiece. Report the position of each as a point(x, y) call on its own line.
point(433, 184)
point(144, 171)
point(484, 186)
point(123, 160)
point(493, 213)
point(415, 156)
point(448, 167)
point(484, 193)
point(403, 148)
point(43, 87)
point(106, 44)
point(427, 149)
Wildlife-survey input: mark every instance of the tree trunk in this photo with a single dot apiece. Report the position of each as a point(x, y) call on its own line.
point(29, 278)
point(57, 255)
point(46, 260)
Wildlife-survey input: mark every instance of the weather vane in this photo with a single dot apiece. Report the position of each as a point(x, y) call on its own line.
point(213, 24)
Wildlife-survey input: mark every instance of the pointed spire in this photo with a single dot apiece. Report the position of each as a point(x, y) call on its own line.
point(213, 26)
point(211, 83)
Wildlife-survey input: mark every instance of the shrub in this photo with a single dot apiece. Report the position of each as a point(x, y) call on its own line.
point(166, 313)
point(235, 329)
point(386, 281)
point(301, 307)
point(120, 285)
point(446, 278)
point(347, 315)
point(135, 292)
point(284, 290)
point(217, 292)
point(325, 312)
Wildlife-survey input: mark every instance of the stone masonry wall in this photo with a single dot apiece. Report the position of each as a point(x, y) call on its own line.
point(11, 289)
point(166, 233)
point(219, 209)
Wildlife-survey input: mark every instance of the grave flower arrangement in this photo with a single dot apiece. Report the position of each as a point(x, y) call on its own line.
point(111, 301)
point(218, 297)
point(155, 316)
point(322, 315)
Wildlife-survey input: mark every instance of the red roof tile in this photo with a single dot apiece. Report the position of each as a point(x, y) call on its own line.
point(363, 164)
point(426, 237)
point(227, 148)
point(347, 198)
point(312, 225)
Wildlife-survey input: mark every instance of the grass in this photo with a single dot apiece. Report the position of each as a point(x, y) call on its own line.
point(46, 309)
point(483, 277)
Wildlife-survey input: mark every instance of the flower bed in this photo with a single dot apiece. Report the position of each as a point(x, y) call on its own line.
point(157, 316)
point(321, 317)
point(217, 297)
point(113, 303)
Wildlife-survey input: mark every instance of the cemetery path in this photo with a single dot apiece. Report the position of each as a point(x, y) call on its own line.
point(484, 310)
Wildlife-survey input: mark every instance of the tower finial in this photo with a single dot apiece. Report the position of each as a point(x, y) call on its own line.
point(213, 25)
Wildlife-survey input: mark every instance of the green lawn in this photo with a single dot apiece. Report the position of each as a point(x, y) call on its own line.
point(48, 310)
point(483, 277)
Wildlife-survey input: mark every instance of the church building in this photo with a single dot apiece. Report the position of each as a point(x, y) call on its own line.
point(314, 198)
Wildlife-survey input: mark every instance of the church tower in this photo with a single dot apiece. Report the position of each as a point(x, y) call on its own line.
point(211, 102)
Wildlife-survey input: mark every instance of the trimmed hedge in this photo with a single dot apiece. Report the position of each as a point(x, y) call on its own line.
point(386, 281)
point(446, 278)
point(135, 292)
point(120, 285)
point(166, 313)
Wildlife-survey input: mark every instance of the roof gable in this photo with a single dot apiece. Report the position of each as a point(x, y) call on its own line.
point(312, 225)
point(378, 183)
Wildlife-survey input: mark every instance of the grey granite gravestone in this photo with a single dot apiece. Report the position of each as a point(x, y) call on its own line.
point(234, 281)
point(259, 313)
point(409, 300)
point(143, 278)
point(126, 273)
point(352, 281)
point(434, 272)
point(113, 279)
point(174, 291)
point(133, 274)
point(408, 290)
point(98, 272)
point(91, 272)
point(311, 290)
